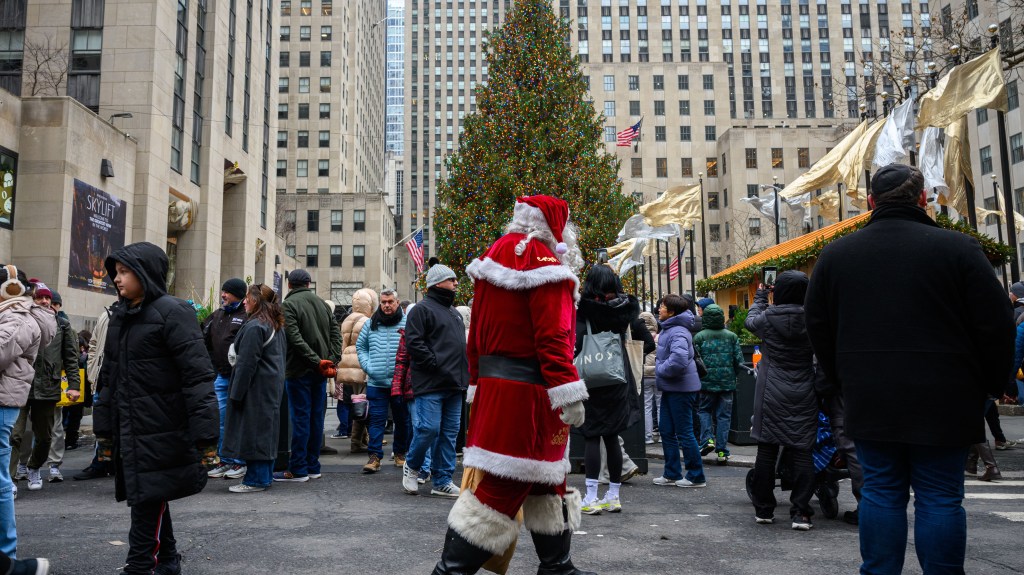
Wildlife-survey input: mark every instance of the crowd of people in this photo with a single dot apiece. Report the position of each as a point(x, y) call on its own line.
point(177, 402)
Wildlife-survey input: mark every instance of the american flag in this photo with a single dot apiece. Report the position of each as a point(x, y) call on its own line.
point(415, 247)
point(626, 137)
point(673, 269)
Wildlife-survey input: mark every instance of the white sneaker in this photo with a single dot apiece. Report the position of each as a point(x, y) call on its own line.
point(610, 504)
point(55, 476)
point(764, 520)
point(447, 490)
point(409, 483)
point(664, 481)
point(218, 471)
point(684, 482)
point(21, 473)
point(592, 507)
point(35, 480)
point(315, 475)
point(243, 488)
point(235, 472)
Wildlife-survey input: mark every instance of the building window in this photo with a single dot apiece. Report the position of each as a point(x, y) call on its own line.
point(325, 33)
point(312, 220)
point(659, 82)
point(753, 191)
point(716, 264)
point(335, 256)
point(609, 108)
point(659, 107)
point(986, 159)
point(609, 83)
point(12, 52)
point(358, 256)
point(306, 7)
point(709, 133)
point(359, 220)
point(325, 58)
point(286, 33)
point(687, 171)
point(323, 168)
point(708, 81)
point(336, 220)
point(325, 138)
point(609, 134)
point(286, 7)
point(303, 139)
point(312, 256)
point(304, 33)
point(325, 111)
point(289, 251)
point(303, 111)
point(303, 85)
point(783, 227)
point(709, 107)
point(1012, 96)
point(636, 167)
point(282, 168)
point(803, 158)
point(1016, 148)
point(712, 200)
point(683, 81)
point(982, 115)
point(712, 167)
point(777, 158)
point(282, 139)
point(303, 59)
point(325, 84)
point(754, 227)
point(661, 167)
point(326, 7)
point(282, 111)
point(634, 82)
point(302, 168)
point(282, 85)
point(84, 72)
point(751, 156)
point(684, 134)
point(659, 133)
point(178, 110)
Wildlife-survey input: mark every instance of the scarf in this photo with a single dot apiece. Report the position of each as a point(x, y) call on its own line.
point(231, 307)
point(381, 318)
point(445, 296)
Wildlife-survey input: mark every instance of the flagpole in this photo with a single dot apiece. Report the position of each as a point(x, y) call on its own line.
point(693, 264)
point(703, 235)
point(643, 287)
point(650, 273)
point(403, 240)
point(657, 249)
point(679, 258)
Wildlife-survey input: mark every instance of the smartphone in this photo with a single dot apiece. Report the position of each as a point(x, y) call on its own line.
point(768, 275)
point(602, 256)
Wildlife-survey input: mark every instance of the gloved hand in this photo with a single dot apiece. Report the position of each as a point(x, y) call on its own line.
point(327, 368)
point(573, 414)
point(210, 458)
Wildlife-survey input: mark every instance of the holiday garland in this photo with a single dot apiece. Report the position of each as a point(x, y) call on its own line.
point(996, 252)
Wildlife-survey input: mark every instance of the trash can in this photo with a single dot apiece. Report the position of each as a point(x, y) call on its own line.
point(743, 402)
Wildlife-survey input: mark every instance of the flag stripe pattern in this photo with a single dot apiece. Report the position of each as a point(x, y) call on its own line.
point(626, 137)
point(673, 269)
point(415, 247)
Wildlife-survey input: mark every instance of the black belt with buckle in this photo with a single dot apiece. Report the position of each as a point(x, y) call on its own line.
point(515, 369)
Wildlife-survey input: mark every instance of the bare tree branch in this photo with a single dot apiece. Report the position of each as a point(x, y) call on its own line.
point(46, 64)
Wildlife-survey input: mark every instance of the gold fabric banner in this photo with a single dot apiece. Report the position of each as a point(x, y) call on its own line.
point(978, 83)
point(825, 171)
point(828, 205)
point(860, 156)
point(957, 166)
point(678, 205)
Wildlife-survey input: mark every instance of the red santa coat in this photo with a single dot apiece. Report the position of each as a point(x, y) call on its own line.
point(523, 308)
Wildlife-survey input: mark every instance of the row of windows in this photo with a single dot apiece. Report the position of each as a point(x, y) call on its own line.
point(659, 108)
point(284, 84)
point(303, 111)
point(313, 256)
point(658, 82)
point(305, 33)
point(284, 59)
point(337, 219)
point(323, 168)
point(306, 7)
point(711, 165)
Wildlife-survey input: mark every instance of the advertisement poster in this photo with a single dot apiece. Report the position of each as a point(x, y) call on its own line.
point(97, 229)
point(8, 175)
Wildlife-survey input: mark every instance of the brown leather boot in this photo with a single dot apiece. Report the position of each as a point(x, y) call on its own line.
point(971, 468)
point(358, 432)
point(987, 457)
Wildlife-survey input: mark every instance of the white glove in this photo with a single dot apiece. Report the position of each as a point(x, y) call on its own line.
point(573, 414)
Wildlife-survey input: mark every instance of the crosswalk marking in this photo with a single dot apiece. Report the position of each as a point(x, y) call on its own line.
point(994, 495)
point(997, 483)
point(1017, 516)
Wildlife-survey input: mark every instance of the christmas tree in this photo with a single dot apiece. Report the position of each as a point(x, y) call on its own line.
point(535, 131)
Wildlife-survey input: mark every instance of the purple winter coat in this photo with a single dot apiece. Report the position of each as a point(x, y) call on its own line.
point(675, 369)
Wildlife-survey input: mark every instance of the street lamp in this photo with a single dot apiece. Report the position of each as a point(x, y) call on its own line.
point(885, 104)
point(775, 187)
point(703, 242)
point(1004, 160)
point(863, 111)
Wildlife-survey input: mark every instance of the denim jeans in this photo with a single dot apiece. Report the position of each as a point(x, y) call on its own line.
point(715, 418)
point(402, 436)
point(436, 427)
point(344, 424)
point(652, 401)
point(259, 473)
point(221, 385)
point(676, 426)
point(936, 474)
point(307, 403)
point(413, 418)
point(379, 398)
point(8, 530)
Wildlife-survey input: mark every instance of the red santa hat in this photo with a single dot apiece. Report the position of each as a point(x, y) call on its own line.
point(556, 214)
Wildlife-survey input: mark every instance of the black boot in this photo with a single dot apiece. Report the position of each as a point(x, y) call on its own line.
point(553, 552)
point(170, 565)
point(460, 557)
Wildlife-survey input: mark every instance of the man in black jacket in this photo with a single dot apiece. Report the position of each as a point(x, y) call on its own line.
point(436, 339)
point(910, 324)
point(157, 404)
point(219, 332)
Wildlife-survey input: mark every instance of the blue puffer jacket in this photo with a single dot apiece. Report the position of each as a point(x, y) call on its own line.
point(377, 350)
point(675, 369)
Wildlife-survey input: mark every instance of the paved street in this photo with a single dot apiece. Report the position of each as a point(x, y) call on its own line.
point(348, 522)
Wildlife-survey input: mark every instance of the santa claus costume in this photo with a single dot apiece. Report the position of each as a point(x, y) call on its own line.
point(525, 393)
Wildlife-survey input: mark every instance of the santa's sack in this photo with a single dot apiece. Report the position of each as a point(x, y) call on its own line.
point(600, 362)
point(360, 408)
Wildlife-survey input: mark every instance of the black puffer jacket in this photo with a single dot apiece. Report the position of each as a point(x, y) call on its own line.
point(785, 404)
point(612, 409)
point(158, 402)
point(436, 339)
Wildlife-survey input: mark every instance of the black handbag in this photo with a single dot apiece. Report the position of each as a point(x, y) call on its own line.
point(702, 370)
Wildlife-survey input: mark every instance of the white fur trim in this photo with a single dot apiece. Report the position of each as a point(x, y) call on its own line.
point(543, 514)
point(568, 393)
point(494, 273)
point(518, 468)
point(481, 525)
point(470, 394)
point(574, 507)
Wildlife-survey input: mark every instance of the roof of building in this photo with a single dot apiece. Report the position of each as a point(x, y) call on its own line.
point(794, 245)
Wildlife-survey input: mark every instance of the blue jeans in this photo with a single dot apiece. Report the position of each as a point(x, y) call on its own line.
point(437, 425)
point(379, 398)
point(936, 474)
point(259, 473)
point(715, 417)
point(307, 402)
point(221, 386)
point(412, 419)
point(344, 425)
point(675, 423)
point(8, 530)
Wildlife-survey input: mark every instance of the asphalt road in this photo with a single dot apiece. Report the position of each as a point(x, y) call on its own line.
point(348, 522)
